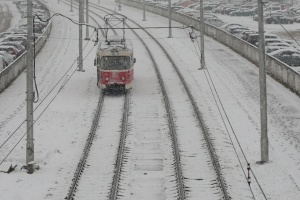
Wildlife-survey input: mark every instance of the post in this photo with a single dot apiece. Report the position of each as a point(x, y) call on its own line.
point(264, 142)
point(71, 6)
point(170, 20)
point(119, 5)
point(29, 90)
point(81, 15)
point(87, 19)
point(202, 35)
point(144, 12)
point(98, 1)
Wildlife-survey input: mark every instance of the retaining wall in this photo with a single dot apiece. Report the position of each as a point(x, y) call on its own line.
point(11, 72)
point(275, 68)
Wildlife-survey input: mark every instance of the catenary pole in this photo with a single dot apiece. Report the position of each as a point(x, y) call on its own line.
point(264, 142)
point(144, 11)
point(202, 35)
point(81, 15)
point(71, 6)
point(29, 90)
point(170, 20)
point(120, 8)
point(87, 37)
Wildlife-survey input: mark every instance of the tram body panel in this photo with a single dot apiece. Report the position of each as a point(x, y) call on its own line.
point(114, 61)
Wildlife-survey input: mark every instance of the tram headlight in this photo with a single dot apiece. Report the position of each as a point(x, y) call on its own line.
point(123, 78)
point(106, 78)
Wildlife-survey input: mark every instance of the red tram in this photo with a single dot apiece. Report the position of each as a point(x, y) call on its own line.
point(114, 61)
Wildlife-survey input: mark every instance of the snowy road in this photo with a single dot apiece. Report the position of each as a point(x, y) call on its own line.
point(61, 131)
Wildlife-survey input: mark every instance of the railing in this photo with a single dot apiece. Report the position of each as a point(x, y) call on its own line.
point(275, 68)
point(10, 73)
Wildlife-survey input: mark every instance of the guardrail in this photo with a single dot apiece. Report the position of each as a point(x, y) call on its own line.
point(10, 73)
point(275, 68)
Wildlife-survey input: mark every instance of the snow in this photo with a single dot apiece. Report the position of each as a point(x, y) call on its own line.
point(61, 131)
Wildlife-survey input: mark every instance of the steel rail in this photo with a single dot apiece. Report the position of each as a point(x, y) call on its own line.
point(173, 134)
point(120, 155)
point(213, 155)
point(86, 149)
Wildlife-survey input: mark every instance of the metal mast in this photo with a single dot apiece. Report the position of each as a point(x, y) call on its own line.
point(202, 35)
point(29, 89)
point(144, 12)
point(71, 6)
point(81, 15)
point(87, 19)
point(264, 141)
point(170, 20)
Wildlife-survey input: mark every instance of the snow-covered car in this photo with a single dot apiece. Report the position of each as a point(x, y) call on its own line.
point(214, 21)
point(2, 63)
point(289, 56)
point(226, 26)
point(15, 38)
point(270, 49)
point(238, 32)
point(17, 45)
point(7, 57)
point(280, 44)
point(10, 49)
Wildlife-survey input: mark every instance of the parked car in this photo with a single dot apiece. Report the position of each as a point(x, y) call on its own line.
point(290, 42)
point(253, 38)
point(238, 32)
point(17, 45)
point(2, 63)
point(242, 12)
point(278, 19)
point(15, 38)
point(289, 56)
point(270, 49)
point(245, 34)
point(272, 40)
point(225, 27)
point(255, 17)
point(11, 50)
point(214, 21)
point(280, 44)
point(7, 57)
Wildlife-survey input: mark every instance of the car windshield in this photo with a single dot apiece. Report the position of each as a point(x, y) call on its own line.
point(115, 62)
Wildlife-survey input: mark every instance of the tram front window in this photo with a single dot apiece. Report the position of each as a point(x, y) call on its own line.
point(115, 62)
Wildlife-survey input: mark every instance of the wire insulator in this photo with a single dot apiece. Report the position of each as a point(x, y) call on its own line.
point(249, 178)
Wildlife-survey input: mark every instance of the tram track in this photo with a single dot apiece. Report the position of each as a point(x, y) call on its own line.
point(201, 123)
point(181, 188)
point(119, 160)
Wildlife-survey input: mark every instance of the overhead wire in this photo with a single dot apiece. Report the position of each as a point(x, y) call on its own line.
point(41, 103)
point(263, 3)
point(213, 85)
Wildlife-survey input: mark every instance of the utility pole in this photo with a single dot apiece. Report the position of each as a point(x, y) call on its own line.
point(81, 15)
point(87, 19)
point(98, 1)
point(29, 90)
point(170, 20)
point(119, 5)
point(202, 35)
point(144, 12)
point(264, 141)
point(71, 6)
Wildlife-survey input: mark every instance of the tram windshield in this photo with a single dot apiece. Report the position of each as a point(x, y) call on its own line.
point(115, 62)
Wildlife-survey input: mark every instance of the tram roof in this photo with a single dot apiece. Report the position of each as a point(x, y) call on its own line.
point(115, 42)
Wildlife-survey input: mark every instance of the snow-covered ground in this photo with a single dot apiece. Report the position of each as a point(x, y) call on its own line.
point(16, 16)
point(61, 131)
